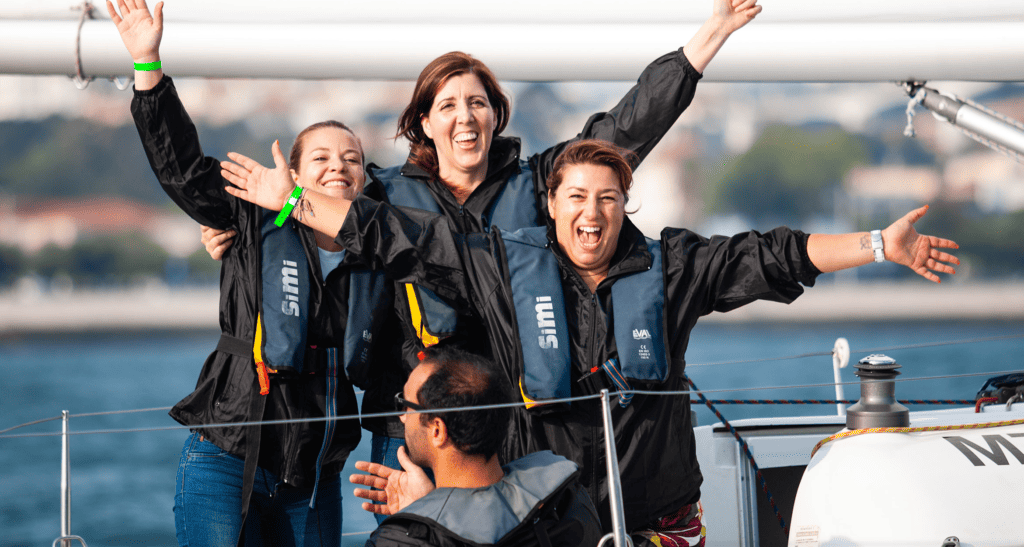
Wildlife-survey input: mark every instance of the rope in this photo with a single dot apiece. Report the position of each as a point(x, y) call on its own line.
point(44, 420)
point(916, 100)
point(983, 401)
point(871, 350)
point(856, 432)
point(81, 82)
point(461, 409)
point(746, 450)
point(835, 401)
point(111, 412)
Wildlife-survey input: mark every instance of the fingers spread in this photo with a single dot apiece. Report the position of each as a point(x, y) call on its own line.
point(113, 13)
point(378, 509)
point(279, 160)
point(369, 480)
point(238, 181)
point(235, 192)
point(243, 161)
point(403, 458)
point(378, 496)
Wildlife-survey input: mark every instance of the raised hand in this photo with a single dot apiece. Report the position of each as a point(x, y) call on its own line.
point(140, 32)
point(392, 488)
point(268, 188)
point(217, 242)
point(903, 245)
point(735, 13)
point(727, 17)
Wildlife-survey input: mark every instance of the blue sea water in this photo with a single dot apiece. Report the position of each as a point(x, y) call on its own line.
point(122, 483)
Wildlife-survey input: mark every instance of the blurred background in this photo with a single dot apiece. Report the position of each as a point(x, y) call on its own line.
point(80, 209)
point(108, 302)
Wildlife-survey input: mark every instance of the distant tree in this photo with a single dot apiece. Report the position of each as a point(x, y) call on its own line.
point(60, 157)
point(50, 261)
point(202, 268)
point(12, 264)
point(789, 173)
point(115, 259)
point(993, 244)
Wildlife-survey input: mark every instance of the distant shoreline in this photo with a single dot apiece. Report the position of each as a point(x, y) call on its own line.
point(162, 309)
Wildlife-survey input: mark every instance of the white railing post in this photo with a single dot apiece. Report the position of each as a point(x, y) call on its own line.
point(840, 358)
point(65, 483)
point(614, 482)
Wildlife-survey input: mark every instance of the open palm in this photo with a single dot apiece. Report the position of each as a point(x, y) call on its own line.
point(904, 245)
point(736, 13)
point(140, 32)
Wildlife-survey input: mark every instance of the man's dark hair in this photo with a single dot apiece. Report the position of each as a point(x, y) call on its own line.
point(461, 379)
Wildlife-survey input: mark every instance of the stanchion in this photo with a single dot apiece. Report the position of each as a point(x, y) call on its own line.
point(618, 534)
point(65, 488)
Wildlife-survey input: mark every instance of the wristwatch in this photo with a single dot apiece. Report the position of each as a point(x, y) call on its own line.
point(876, 245)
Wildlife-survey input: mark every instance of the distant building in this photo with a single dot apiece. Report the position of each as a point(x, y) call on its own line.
point(989, 179)
point(32, 226)
point(891, 186)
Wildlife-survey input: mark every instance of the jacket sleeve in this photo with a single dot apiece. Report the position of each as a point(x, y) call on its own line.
point(410, 245)
point(643, 116)
point(192, 180)
point(724, 273)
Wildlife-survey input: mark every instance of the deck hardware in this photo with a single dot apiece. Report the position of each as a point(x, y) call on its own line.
point(877, 406)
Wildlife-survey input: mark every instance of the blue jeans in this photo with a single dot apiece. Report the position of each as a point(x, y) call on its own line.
point(208, 499)
point(384, 450)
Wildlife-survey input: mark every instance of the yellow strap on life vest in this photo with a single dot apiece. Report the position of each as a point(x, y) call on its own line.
point(530, 403)
point(418, 323)
point(257, 355)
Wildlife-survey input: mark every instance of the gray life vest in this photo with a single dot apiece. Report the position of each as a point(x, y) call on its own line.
point(638, 302)
point(515, 207)
point(486, 515)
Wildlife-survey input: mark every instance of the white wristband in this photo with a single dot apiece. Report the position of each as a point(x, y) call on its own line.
point(876, 245)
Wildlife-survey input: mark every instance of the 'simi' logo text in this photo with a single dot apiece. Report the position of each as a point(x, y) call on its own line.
point(290, 286)
point(548, 339)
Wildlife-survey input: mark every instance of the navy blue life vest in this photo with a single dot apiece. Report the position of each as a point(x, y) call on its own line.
point(280, 342)
point(638, 302)
point(514, 207)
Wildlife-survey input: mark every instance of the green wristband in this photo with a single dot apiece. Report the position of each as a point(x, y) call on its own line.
point(289, 204)
point(147, 67)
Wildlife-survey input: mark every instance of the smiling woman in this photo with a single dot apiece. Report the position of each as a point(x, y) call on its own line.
point(601, 281)
point(588, 205)
point(278, 355)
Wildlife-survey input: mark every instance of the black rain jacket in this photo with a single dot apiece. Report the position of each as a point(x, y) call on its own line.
point(637, 123)
point(228, 386)
point(654, 435)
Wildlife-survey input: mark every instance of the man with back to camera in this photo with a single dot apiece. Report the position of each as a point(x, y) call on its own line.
point(535, 500)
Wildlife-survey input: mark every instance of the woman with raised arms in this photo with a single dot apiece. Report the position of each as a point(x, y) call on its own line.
point(293, 320)
point(461, 166)
point(615, 309)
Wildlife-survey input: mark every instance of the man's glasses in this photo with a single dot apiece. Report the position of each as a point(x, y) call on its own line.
point(402, 404)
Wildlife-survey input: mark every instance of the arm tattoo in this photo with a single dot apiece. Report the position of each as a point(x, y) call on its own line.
point(865, 242)
point(303, 207)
